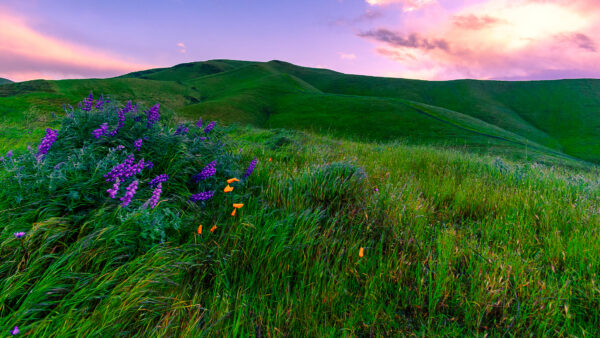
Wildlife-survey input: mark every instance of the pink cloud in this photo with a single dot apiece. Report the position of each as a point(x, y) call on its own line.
point(26, 54)
point(516, 39)
point(407, 5)
point(347, 56)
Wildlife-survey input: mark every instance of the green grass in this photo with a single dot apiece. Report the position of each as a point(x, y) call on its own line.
point(502, 118)
point(4, 81)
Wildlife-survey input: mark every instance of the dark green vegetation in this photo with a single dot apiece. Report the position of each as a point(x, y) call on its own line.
point(548, 121)
point(455, 244)
point(3, 81)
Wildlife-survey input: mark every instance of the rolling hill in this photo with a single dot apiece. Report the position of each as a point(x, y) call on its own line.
point(550, 120)
point(4, 81)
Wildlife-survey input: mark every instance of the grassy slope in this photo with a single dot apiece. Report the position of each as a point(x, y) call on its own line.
point(508, 118)
point(3, 81)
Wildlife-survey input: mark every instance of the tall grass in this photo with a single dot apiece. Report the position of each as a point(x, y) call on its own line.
point(453, 245)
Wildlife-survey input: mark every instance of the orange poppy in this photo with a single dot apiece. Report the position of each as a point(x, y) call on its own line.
point(231, 180)
point(213, 228)
point(228, 188)
point(269, 159)
point(238, 205)
point(361, 252)
point(200, 230)
point(233, 212)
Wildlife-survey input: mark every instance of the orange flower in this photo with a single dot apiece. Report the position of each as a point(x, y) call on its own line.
point(238, 205)
point(228, 188)
point(231, 180)
point(213, 228)
point(269, 159)
point(233, 212)
point(361, 252)
point(200, 230)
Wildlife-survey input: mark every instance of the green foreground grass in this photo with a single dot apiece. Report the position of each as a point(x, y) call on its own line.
point(454, 244)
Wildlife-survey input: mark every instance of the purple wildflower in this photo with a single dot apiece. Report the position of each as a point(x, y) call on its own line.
point(153, 115)
point(19, 234)
point(250, 168)
point(199, 123)
point(15, 331)
point(100, 103)
point(47, 141)
point(376, 189)
point(203, 196)
point(155, 196)
point(120, 147)
point(182, 130)
point(207, 172)
point(87, 102)
point(119, 170)
point(9, 154)
point(129, 192)
point(134, 169)
point(100, 131)
point(112, 192)
point(148, 165)
point(158, 179)
point(209, 127)
point(137, 144)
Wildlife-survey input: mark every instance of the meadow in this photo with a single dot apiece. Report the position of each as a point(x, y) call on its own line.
point(337, 235)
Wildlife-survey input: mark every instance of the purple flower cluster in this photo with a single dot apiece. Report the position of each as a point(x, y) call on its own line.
point(199, 123)
point(153, 115)
point(207, 172)
point(137, 144)
point(100, 103)
point(209, 127)
point(182, 130)
point(158, 180)
point(112, 192)
point(19, 234)
point(47, 141)
point(120, 169)
point(203, 196)
point(9, 154)
point(121, 122)
point(148, 165)
point(87, 102)
point(134, 169)
point(120, 147)
point(155, 196)
point(250, 168)
point(100, 131)
point(129, 192)
point(15, 331)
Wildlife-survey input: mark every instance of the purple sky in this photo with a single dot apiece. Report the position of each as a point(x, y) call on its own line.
point(426, 39)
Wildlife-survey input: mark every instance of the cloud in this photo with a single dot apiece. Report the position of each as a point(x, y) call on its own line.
point(407, 5)
point(181, 46)
point(412, 40)
point(26, 54)
point(493, 39)
point(346, 56)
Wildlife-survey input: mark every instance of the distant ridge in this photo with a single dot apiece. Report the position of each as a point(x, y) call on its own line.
point(4, 81)
point(558, 119)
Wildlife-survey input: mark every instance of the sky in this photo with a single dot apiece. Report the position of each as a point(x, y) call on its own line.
point(420, 39)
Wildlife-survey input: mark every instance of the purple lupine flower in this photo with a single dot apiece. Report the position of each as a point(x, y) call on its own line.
point(87, 102)
point(119, 170)
point(134, 169)
point(199, 123)
point(148, 165)
point(153, 115)
point(120, 147)
point(155, 196)
point(9, 154)
point(19, 234)
point(137, 144)
point(100, 131)
point(47, 141)
point(100, 103)
point(250, 168)
point(112, 192)
point(209, 127)
point(203, 196)
point(182, 130)
point(376, 189)
point(207, 172)
point(158, 179)
point(121, 121)
point(129, 192)
point(15, 331)
point(203, 138)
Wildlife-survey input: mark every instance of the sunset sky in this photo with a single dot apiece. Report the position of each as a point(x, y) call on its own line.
point(422, 39)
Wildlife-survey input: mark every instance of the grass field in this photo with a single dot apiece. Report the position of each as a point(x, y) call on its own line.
point(466, 226)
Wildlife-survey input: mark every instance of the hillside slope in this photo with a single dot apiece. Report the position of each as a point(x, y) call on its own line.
point(557, 119)
point(4, 81)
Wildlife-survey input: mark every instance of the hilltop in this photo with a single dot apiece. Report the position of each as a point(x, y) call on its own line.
point(4, 81)
point(549, 120)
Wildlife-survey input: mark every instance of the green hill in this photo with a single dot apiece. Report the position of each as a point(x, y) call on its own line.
point(550, 120)
point(4, 81)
